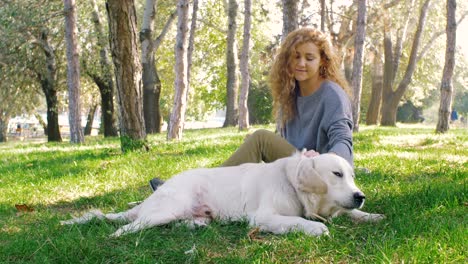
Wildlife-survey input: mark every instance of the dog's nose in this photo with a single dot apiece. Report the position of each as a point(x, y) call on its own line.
point(358, 198)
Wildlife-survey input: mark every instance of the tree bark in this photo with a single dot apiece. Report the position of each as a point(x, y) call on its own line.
point(191, 44)
point(176, 123)
point(124, 47)
point(90, 120)
point(323, 15)
point(390, 97)
point(232, 63)
point(48, 85)
point(290, 16)
point(373, 110)
point(244, 68)
point(151, 91)
point(3, 126)
point(446, 88)
point(105, 82)
point(73, 73)
point(356, 82)
point(151, 83)
point(41, 122)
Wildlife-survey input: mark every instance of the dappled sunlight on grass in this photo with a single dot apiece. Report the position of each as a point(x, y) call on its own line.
point(417, 179)
point(461, 159)
point(420, 140)
point(58, 148)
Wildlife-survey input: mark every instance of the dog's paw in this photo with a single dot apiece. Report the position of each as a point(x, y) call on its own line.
point(375, 217)
point(372, 218)
point(315, 229)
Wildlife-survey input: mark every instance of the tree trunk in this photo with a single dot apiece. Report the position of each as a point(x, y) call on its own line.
point(89, 121)
point(150, 90)
point(341, 40)
point(151, 95)
point(106, 82)
point(73, 73)
point(48, 85)
point(232, 62)
point(41, 122)
point(323, 15)
point(244, 68)
point(151, 82)
point(3, 127)
point(392, 98)
point(191, 44)
point(176, 123)
point(373, 110)
point(53, 128)
point(124, 47)
point(290, 16)
point(446, 88)
point(357, 62)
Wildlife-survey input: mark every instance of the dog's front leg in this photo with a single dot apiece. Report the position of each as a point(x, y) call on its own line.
point(280, 224)
point(360, 216)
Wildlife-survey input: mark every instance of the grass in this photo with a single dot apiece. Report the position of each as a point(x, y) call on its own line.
point(418, 180)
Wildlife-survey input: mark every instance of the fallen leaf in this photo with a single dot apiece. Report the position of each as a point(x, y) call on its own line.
point(253, 233)
point(23, 208)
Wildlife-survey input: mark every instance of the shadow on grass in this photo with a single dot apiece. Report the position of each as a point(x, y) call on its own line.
point(41, 237)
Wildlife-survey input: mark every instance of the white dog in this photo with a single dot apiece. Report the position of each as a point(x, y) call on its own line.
point(272, 196)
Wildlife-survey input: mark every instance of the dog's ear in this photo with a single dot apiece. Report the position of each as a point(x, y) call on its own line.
point(308, 178)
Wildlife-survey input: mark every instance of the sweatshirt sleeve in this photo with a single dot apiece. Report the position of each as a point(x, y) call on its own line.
point(340, 128)
point(340, 139)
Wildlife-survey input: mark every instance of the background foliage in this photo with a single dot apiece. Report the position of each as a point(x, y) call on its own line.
point(23, 19)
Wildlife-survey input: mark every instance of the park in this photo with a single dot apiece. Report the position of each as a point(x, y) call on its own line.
point(99, 97)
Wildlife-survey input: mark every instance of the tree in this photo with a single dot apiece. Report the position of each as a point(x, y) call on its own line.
point(16, 96)
point(244, 68)
point(103, 77)
point(372, 115)
point(341, 31)
point(357, 62)
point(150, 78)
point(48, 81)
point(151, 82)
point(232, 63)
point(125, 55)
point(19, 92)
point(391, 98)
point(177, 119)
point(73, 73)
point(191, 43)
point(34, 52)
point(290, 16)
point(446, 87)
point(323, 15)
point(90, 119)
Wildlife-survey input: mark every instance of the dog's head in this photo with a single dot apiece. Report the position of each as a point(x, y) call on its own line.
point(327, 184)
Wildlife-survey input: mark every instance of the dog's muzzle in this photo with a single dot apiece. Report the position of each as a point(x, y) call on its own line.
point(358, 199)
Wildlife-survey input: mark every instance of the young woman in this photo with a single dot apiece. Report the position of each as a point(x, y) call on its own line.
point(311, 103)
point(310, 100)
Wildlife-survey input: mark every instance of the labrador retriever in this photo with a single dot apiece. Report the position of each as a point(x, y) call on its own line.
point(277, 197)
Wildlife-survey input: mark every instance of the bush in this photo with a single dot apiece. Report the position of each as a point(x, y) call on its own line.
point(260, 104)
point(408, 113)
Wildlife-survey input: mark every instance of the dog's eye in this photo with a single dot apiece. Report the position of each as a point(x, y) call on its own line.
point(339, 174)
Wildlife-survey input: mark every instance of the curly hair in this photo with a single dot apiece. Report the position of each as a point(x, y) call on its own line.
point(282, 81)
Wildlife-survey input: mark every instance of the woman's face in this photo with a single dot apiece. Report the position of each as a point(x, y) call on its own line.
point(305, 63)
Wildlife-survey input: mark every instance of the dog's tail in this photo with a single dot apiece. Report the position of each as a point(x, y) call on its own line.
point(126, 216)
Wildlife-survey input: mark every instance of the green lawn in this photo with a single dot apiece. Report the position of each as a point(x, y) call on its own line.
point(418, 180)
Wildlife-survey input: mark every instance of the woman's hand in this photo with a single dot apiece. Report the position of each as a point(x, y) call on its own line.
point(311, 153)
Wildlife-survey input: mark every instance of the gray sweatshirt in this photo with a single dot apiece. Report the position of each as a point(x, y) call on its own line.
point(323, 122)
